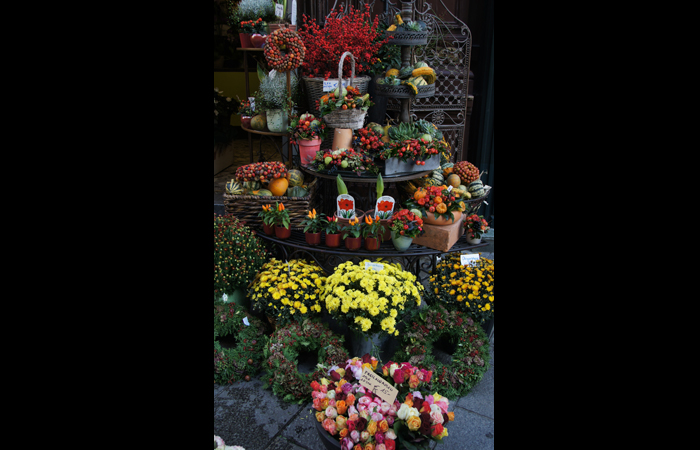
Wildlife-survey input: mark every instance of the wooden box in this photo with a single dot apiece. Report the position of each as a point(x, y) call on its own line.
point(441, 237)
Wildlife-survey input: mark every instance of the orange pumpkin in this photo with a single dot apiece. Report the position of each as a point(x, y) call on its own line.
point(278, 187)
point(441, 208)
point(438, 199)
point(446, 173)
point(419, 194)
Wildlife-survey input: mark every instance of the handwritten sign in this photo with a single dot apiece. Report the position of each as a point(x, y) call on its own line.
point(379, 386)
point(376, 266)
point(279, 10)
point(469, 259)
point(332, 85)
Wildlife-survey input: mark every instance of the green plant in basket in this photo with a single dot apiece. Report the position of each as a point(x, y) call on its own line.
point(238, 255)
point(468, 288)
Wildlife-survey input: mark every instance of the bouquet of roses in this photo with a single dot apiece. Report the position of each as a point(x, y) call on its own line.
point(405, 377)
point(358, 417)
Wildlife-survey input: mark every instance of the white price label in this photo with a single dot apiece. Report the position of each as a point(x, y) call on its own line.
point(470, 259)
point(331, 85)
point(279, 10)
point(376, 266)
point(245, 322)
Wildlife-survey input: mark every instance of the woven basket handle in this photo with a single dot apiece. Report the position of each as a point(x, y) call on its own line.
point(340, 68)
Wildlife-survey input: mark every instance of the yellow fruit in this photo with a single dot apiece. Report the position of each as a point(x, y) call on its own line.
point(454, 180)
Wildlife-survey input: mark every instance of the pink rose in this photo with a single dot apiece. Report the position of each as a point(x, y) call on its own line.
point(355, 436)
point(330, 426)
point(331, 413)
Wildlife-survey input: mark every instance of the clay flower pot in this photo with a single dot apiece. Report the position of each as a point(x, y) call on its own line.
point(313, 238)
point(283, 233)
point(385, 223)
point(372, 244)
point(353, 244)
point(333, 240)
point(359, 214)
point(441, 221)
point(269, 229)
point(245, 40)
point(245, 121)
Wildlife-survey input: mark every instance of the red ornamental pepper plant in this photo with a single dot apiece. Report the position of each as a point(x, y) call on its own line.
point(355, 32)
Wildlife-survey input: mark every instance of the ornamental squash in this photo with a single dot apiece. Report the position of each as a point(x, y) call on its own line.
point(391, 28)
point(420, 64)
point(453, 180)
point(234, 188)
point(278, 186)
point(295, 178)
point(419, 194)
point(262, 193)
point(441, 208)
point(476, 189)
point(297, 192)
point(406, 72)
point(250, 186)
point(418, 81)
point(390, 72)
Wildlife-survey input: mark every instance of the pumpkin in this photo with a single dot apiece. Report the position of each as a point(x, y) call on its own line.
point(419, 194)
point(394, 72)
point(250, 186)
point(438, 200)
point(441, 208)
point(278, 186)
point(295, 178)
point(234, 188)
point(297, 192)
point(476, 189)
point(262, 193)
point(259, 122)
point(447, 172)
point(454, 180)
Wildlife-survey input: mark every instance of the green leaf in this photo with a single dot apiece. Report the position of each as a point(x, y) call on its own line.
point(261, 73)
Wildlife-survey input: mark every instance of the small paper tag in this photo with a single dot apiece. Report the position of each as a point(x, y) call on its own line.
point(272, 74)
point(245, 321)
point(252, 103)
point(331, 85)
point(449, 188)
point(379, 386)
point(376, 266)
point(470, 259)
point(279, 10)
point(224, 298)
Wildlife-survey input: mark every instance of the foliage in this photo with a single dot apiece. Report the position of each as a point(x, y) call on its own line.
point(245, 360)
point(310, 128)
point(354, 228)
point(405, 223)
point(355, 32)
point(282, 353)
point(437, 200)
point(252, 10)
point(332, 225)
point(471, 356)
point(344, 159)
point(372, 228)
point(468, 288)
point(314, 222)
point(245, 109)
point(369, 300)
point(338, 102)
point(475, 226)
point(273, 94)
point(287, 291)
point(238, 255)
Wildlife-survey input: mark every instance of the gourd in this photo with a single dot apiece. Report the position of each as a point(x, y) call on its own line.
point(250, 186)
point(398, 20)
point(441, 208)
point(420, 64)
point(295, 178)
point(437, 176)
point(427, 73)
point(392, 71)
point(406, 72)
point(453, 180)
point(418, 81)
point(391, 28)
point(476, 188)
point(262, 193)
point(297, 192)
point(413, 87)
point(278, 186)
point(234, 188)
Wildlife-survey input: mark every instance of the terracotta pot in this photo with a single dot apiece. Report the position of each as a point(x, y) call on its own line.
point(333, 240)
point(385, 223)
point(245, 121)
point(352, 243)
point(430, 219)
point(313, 238)
point(372, 244)
point(307, 150)
point(345, 222)
point(245, 40)
point(283, 233)
point(269, 229)
point(342, 138)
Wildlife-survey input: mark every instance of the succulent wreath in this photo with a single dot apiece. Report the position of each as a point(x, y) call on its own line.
point(245, 360)
point(471, 356)
point(284, 39)
point(282, 353)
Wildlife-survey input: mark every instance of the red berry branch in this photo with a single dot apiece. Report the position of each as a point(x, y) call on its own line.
point(354, 32)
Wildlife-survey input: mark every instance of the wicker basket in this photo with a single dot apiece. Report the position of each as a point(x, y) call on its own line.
point(247, 207)
point(349, 118)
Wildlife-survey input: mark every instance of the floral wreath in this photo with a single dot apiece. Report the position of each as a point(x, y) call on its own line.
point(244, 361)
point(282, 352)
point(288, 40)
point(470, 360)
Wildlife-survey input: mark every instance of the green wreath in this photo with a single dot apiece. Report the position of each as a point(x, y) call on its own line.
point(282, 353)
point(470, 360)
point(245, 360)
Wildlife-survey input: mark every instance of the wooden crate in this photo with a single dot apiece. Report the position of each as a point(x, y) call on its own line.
point(441, 237)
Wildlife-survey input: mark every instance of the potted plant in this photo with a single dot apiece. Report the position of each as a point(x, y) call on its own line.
point(332, 232)
point(249, 28)
point(268, 216)
point(280, 21)
point(373, 232)
point(344, 159)
point(352, 234)
point(437, 204)
point(235, 266)
point(313, 225)
point(273, 98)
point(246, 112)
point(308, 132)
point(256, 11)
point(474, 227)
point(405, 226)
point(283, 228)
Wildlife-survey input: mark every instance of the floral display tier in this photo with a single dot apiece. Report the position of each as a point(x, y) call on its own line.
point(363, 186)
point(417, 259)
